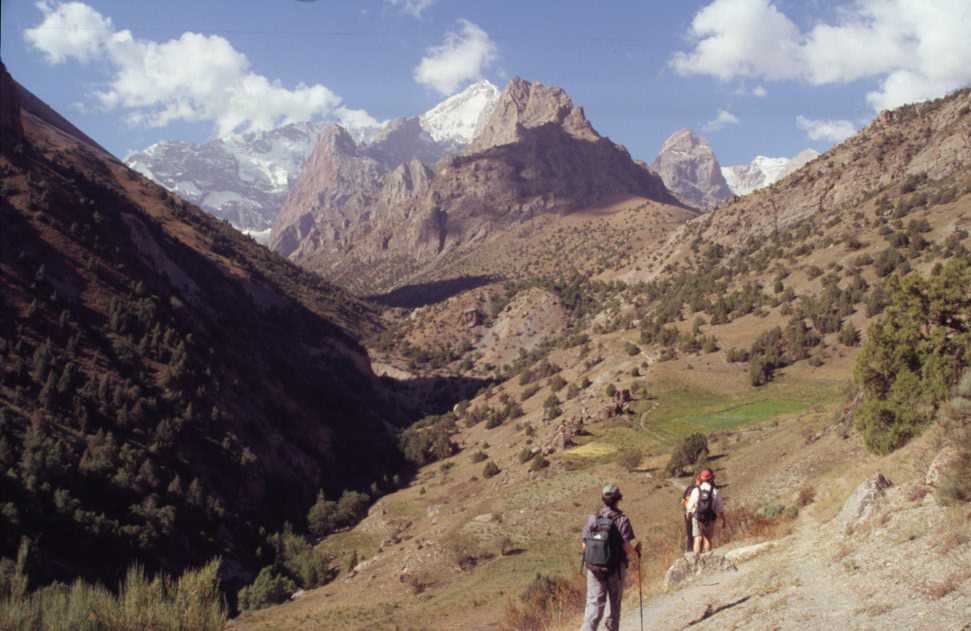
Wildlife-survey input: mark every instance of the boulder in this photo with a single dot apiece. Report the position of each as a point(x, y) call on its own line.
point(689, 566)
point(863, 502)
point(747, 553)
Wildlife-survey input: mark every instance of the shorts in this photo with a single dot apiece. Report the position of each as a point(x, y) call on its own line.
point(702, 528)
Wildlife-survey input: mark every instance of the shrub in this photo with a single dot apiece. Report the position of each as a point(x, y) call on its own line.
point(479, 456)
point(490, 470)
point(526, 455)
point(539, 462)
point(193, 601)
point(269, 588)
point(631, 349)
point(611, 389)
point(547, 601)
point(529, 392)
point(629, 458)
point(914, 355)
point(807, 495)
point(690, 451)
point(557, 383)
point(849, 336)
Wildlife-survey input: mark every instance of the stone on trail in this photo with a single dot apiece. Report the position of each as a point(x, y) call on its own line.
point(747, 553)
point(862, 503)
point(690, 566)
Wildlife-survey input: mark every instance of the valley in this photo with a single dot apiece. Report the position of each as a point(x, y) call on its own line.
point(397, 416)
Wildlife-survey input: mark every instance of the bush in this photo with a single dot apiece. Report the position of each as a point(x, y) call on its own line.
point(193, 601)
point(914, 355)
point(546, 601)
point(269, 588)
point(526, 455)
point(490, 470)
point(631, 349)
point(849, 336)
point(557, 383)
point(630, 458)
point(690, 451)
point(539, 462)
point(479, 456)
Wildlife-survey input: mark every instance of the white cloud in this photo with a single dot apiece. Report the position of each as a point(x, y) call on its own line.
point(462, 57)
point(413, 8)
point(355, 118)
point(194, 77)
point(827, 130)
point(741, 38)
point(760, 91)
point(915, 49)
point(723, 118)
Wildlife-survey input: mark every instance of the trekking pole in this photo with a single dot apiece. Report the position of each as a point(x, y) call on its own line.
point(640, 589)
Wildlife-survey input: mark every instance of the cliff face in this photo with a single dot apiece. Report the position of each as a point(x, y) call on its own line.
point(691, 171)
point(536, 153)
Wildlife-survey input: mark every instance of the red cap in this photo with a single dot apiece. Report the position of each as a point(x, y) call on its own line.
point(706, 475)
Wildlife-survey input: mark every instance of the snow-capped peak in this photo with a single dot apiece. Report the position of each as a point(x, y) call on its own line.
point(457, 118)
point(764, 171)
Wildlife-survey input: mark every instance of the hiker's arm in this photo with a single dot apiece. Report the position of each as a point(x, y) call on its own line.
point(633, 547)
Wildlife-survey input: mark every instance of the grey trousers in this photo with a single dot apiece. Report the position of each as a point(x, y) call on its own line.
point(599, 591)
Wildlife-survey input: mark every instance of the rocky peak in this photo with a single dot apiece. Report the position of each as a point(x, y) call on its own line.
point(690, 170)
point(526, 105)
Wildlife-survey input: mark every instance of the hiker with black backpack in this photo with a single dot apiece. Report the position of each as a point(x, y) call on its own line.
point(608, 544)
point(704, 506)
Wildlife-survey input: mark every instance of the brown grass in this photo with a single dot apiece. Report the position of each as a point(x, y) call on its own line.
point(745, 523)
point(547, 603)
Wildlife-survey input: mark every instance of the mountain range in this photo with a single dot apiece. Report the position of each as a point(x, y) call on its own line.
point(244, 179)
point(363, 216)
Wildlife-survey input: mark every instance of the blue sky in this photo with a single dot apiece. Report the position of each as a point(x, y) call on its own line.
point(757, 76)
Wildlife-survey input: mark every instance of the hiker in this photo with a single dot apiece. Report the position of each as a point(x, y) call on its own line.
point(689, 540)
point(608, 544)
point(704, 506)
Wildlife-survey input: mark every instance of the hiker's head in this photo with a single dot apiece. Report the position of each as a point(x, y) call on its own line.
point(611, 494)
point(706, 475)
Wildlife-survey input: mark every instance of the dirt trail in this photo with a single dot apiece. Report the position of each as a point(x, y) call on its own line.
point(888, 576)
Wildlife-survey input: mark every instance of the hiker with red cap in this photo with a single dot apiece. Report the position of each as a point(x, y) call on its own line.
point(704, 506)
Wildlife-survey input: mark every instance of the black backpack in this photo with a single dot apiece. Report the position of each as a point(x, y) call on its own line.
point(604, 549)
point(705, 511)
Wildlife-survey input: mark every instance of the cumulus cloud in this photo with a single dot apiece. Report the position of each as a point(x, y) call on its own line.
point(915, 49)
point(413, 8)
point(826, 130)
point(759, 91)
point(723, 118)
point(462, 57)
point(194, 77)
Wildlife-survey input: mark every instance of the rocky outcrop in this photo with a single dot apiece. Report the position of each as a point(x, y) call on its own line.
point(689, 566)
point(866, 499)
point(690, 170)
point(351, 221)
